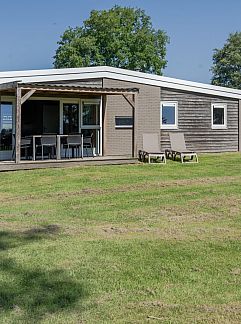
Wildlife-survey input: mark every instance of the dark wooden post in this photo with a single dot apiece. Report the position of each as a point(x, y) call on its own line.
point(18, 126)
point(133, 102)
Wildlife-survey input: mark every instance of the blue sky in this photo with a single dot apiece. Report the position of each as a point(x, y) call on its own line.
point(29, 30)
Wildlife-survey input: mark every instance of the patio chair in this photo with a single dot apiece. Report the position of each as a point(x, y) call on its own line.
point(151, 148)
point(88, 144)
point(48, 141)
point(73, 142)
point(26, 146)
point(178, 148)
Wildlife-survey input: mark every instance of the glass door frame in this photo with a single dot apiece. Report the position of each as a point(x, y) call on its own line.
point(80, 102)
point(12, 100)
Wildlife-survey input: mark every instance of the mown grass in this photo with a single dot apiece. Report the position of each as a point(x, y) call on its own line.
point(122, 244)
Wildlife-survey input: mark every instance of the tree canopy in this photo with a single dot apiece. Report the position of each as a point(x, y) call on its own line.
point(120, 37)
point(227, 63)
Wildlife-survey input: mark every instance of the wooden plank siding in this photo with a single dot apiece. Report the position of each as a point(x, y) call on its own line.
point(194, 120)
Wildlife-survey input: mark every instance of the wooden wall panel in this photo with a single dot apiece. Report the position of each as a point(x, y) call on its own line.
point(194, 119)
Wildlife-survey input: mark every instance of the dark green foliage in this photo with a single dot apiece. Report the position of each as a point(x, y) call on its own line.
point(119, 37)
point(227, 63)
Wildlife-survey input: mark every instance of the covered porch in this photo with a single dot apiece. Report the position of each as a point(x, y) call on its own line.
point(38, 122)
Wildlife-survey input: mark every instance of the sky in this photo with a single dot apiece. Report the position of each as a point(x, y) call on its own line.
point(30, 30)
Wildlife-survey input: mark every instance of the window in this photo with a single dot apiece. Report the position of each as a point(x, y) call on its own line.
point(90, 114)
point(219, 116)
point(168, 115)
point(123, 122)
point(6, 125)
point(70, 118)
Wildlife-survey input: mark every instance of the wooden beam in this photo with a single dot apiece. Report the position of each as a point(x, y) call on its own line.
point(130, 98)
point(18, 126)
point(8, 85)
point(27, 96)
point(81, 90)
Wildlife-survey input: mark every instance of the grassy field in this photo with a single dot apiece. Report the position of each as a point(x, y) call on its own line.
point(122, 244)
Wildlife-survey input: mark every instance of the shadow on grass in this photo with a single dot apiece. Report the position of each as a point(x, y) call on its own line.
point(32, 293)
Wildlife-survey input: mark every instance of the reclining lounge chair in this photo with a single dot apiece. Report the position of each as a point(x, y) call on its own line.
point(151, 148)
point(178, 148)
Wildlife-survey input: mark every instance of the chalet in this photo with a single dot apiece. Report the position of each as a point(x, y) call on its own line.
point(108, 110)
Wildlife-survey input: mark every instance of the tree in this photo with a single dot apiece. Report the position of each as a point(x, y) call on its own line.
point(120, 37)
point(227, 63)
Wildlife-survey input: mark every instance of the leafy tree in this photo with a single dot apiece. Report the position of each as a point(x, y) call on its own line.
point(120, 37)
point(227, 63)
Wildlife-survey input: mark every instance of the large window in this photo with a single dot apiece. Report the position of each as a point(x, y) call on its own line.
point(168, 115)
point(90, 114)
point(70, 118)
point(219, 115)
point(6, 126)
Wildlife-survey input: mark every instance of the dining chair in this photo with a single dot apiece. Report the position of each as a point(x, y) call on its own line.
point(73, 142)
point(49, 141)
point(88, 144)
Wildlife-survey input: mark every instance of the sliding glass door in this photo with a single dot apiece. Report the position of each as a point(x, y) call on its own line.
point(83, 116)
point(91, 123)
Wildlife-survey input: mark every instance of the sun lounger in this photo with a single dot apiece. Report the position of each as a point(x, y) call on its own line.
point(178, 148)
point(151, 148)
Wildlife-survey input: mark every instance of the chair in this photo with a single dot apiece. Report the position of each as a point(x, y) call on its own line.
point(26, 145)
point(48, 141)
point(88, 144)
point(151, 148)
point(74, 142)
point(178, 148)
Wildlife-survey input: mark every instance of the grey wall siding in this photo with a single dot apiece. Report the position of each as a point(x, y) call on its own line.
point(194, 119)
point(119, 141)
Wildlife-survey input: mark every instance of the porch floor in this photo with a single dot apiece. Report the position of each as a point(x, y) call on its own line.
point(41, 164)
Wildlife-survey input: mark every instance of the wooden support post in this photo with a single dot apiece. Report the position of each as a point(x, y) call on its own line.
point(18, 126)
point(239, 126)
point(131, 99)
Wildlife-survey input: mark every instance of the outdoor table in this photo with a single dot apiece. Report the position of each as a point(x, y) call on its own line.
point(58, 149)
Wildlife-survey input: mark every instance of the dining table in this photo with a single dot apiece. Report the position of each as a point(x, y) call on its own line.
point(58, 144)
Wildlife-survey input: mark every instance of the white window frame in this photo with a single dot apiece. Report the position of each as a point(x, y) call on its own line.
point(94, 102)
point(219, 105)
point(170, 103)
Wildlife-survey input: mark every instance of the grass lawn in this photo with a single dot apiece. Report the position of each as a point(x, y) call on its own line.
point(122, 244)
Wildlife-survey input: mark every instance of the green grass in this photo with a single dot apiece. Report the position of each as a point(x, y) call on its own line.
point(122, 244)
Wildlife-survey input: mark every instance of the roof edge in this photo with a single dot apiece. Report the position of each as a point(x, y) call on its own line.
point(118, 74)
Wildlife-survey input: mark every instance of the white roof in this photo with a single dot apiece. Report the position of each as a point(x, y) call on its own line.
point(96, 72)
